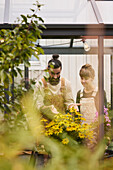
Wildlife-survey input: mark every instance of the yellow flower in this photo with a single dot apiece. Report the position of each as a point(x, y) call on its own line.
point(49, 132)
point(56, 127)
point(49, 124)
point(71, 110)
point(60, 130)
point(56, 132)
point(82, 118)
point(43, 120)
point(85, 124)
point(81, 135)
point(65, 141)
point(69, 128)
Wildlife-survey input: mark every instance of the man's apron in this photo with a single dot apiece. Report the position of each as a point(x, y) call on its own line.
point(55, 99)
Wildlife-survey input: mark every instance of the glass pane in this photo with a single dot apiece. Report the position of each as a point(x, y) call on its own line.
point(2, 4)
point(59, 12)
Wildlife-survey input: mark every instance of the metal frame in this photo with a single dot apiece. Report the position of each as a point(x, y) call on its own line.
point(72, 31)
point(103, 0)
point(69, 31)
point(96, 11)
point(74, 50)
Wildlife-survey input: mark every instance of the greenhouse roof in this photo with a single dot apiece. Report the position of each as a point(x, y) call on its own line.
point(60, 11)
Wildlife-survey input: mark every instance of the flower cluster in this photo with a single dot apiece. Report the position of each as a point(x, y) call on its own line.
point(70, 123)
point(107, 121)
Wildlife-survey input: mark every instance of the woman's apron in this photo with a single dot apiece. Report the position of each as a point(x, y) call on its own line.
point(88, 110)
point(87, 107)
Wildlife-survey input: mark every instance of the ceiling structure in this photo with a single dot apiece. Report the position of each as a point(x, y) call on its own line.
point(64, 19)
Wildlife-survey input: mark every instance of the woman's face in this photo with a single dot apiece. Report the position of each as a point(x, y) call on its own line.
point(86, 81)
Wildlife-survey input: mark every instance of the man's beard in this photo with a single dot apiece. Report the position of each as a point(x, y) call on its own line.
point(54, 81)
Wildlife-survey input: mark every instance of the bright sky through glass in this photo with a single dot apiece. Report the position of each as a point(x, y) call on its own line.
point(58, 11)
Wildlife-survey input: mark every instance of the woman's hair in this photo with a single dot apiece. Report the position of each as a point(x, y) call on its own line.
point(87, 71)
point(54, 62)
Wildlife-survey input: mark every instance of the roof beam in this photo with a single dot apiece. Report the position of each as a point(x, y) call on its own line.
point(103, 0)
point(75, 31)
point(6, 11)
point(75, 50)
point(96, 12)
point(71, 31)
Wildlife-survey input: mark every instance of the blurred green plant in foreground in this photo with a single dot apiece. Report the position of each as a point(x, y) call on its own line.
point(14, 138)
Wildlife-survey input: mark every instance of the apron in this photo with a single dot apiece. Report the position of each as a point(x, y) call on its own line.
point(87, 107)
point(88, 110)
point(55, 99)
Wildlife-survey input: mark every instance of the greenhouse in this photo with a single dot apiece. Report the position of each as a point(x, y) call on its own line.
point(63, 48)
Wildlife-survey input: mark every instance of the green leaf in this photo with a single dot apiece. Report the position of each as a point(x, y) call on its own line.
point(3, 75)
point(36, 56)
point(10, 77)
point(24, 18)
point(9, 93)
point(28, 16)
point(35, 16)
point(15, 31)
point(19, 45)
point(11, 55)
point(14, 72)
point(32, 9)
point(40, 50)
point(3, 54)
point(19, 71)
point(26, 63)
point(40, 19)
point(36, 22)
point(43, 26)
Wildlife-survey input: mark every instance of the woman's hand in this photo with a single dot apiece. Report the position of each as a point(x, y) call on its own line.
point(75, 105)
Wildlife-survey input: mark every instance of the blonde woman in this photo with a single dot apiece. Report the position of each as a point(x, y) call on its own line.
point(88, 98)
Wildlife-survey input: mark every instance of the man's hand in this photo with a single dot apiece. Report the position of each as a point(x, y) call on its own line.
point(53, 109)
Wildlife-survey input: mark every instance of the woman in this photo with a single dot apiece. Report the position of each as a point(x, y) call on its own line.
point(88, 98)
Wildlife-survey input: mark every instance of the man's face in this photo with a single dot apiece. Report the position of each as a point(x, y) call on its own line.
point(54, 75)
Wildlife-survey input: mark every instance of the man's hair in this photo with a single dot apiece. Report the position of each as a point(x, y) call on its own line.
point(54, 62)
point(87, 71)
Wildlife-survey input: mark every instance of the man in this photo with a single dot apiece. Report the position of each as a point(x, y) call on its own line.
point(54, 93)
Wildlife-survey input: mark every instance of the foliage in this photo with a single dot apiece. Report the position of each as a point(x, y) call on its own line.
point(63, 157)
point(17, 45)
point(68, 124)
point(16, 135)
